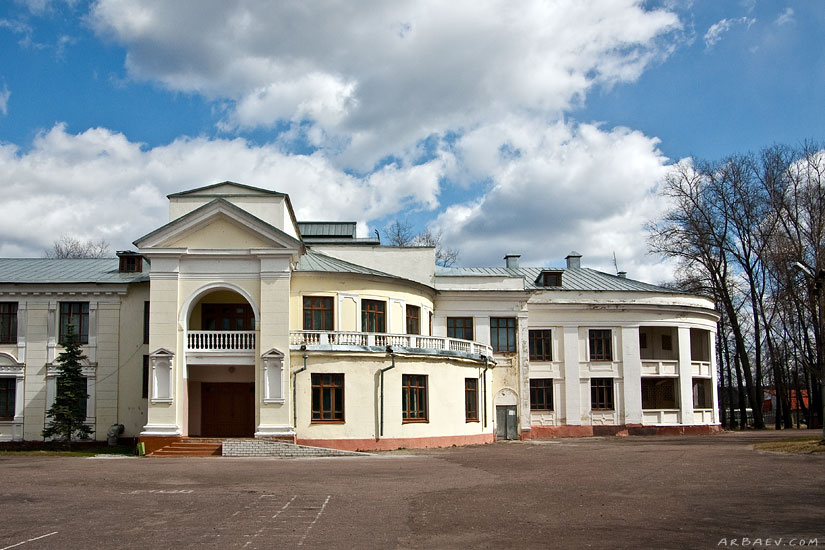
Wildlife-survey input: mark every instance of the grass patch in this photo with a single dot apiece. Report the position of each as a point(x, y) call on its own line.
point(798, 445)
point(59, 449)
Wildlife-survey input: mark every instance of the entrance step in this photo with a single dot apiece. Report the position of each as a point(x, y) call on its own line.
point(190, 446)
point(279, 449)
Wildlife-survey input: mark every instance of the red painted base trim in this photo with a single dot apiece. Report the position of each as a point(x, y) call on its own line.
point(550, 432)
point(392, 443)
point(155, 442)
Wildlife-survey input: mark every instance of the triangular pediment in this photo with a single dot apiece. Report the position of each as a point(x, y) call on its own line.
point(218, 225)
point(226, 188)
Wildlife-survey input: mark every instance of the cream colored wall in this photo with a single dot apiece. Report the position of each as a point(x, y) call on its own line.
point(275, 302)
point(348, 291)
point(413, 263)
point(269, 208)
point(220, 233)
point(132, 406)
point(445, 392)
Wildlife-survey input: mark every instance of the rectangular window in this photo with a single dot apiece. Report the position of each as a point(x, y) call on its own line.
point(659, 393)
point(413, 320)
point(413, 398)
point(471, 399)
point(8, 322)
point(551, 278)
point(643, 340)
point(76, 314)
point(667, 342)
point(540, 345)
point(460, 327)
point(702, 396)
point(146, 322)
point(541, 394)
point(227, 317)
point(131, 263)
point(503, 334)
point(7, 394)
point(431, 323)
point(327, 397)
point(373, 315)
point(601, 394)
point(145, 385)
point(317, 313)
point(601, 345)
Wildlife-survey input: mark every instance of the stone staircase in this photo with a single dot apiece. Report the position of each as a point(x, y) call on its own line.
point(190, 446)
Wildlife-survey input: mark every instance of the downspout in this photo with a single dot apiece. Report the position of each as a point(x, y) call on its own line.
point(294, 393)
point(385, 369)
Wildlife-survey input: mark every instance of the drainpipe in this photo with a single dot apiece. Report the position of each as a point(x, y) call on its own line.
point(294, 404)
point(484, 389)
point(385, 369)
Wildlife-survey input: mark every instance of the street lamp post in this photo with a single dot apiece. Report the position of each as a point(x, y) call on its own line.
point(818, 280)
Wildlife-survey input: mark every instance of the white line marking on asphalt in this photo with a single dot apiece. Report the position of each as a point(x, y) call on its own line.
point(321, 511)
point(30, 540)
point(285, 506)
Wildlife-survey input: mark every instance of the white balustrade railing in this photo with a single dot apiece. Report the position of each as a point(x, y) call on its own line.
point(380, 339)
point(220, 340)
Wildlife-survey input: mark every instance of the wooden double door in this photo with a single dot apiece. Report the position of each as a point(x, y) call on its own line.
point(228, 409)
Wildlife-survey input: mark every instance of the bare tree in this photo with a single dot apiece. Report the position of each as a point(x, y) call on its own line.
point(72, 247)
point(400, 233)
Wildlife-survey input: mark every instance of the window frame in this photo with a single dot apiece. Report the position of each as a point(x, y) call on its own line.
point(460, 325)
point(605, 336)
point(145, 382)
point(413, 315)
point(471, 400)
point(82, 337)
point(544, 387)
point(327, 315)
point(10, 397)
point(8, 322)
point(414, 384)
point(509, 331)
point(545, 336)
point(146, 309)
point(335, 388)
point(379, 314)
point(606, 387)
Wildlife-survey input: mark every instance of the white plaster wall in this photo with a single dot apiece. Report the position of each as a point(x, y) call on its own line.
point(413, 263)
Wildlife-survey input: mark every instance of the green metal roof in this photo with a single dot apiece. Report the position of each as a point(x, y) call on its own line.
point(327, 229)
point(572, 279)
point(85, 270)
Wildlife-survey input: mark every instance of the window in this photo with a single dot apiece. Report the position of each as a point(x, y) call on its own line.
point(460, 327)
point(77, 315)
point(667, 342)
point(431, 323)
point(659, 393)
point(643, 340)
point(413, 398)
point(131, 263)
point(145, 385)
point(541, 394)
point(373, 316)
point(601, 394)
point(7, 394)
point(471, 399)
point(541, 348)
point(601, 345)
point(551, 278)
point(702, 396)
point(327, 397)
point(317, 313)
point(413, 320)
point(503, 334)
point(228, 317)
point(146, 322)
point(8, 322)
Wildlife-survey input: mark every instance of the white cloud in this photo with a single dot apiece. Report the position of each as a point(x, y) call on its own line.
point(718, 29)
point(377, 77)
point(556, 189)
point(82, 184)
point(4, 100)
point(786, 17)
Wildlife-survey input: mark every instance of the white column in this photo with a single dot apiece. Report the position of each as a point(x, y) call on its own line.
point(632, 375)
point(685, 377)
point(522, 346)
point(713, 375)
point(571, 372)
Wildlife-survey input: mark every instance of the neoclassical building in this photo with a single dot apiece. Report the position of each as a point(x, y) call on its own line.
point(235, 320)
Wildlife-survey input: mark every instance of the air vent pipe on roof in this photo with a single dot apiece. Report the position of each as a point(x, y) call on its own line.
point(622, 274)
point(511, 261)
point(574, 260)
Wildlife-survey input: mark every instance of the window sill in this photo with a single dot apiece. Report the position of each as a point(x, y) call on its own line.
point(544, 410)
point(327, 421)
point(603, 410)
point(471, 420)
point(415, 421)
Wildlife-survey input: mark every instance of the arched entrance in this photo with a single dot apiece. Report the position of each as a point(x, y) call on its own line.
point(506, 402)
point(221, 322)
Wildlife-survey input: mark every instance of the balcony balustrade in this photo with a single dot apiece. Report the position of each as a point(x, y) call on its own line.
point(220, 340)
point(378, 339)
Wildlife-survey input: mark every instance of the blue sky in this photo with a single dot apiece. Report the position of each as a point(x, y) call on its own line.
point(534, 131)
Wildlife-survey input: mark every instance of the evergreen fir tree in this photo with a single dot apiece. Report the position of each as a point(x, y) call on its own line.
point(68, 413)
